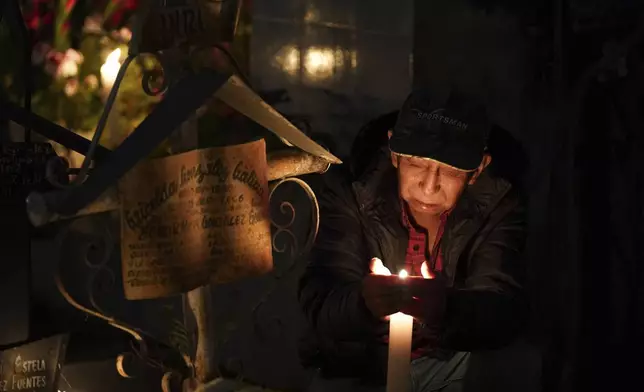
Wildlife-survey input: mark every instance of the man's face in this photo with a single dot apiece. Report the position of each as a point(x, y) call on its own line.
point(430, 187)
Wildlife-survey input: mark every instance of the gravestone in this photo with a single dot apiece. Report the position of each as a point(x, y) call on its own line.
point(34, 366)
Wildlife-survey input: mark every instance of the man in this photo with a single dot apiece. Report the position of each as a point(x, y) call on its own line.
point(428, 206)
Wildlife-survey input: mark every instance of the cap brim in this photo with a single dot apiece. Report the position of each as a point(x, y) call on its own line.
point(451, 155)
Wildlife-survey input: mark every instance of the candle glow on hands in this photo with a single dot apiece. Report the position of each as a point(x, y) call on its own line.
point(110, 69)
point(424, 270)
point(378, 268)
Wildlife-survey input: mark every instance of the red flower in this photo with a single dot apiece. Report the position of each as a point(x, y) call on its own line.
point(65, 27)
point(123, 7)
point(37, 15)
point(55, 57)
point(69, 6)
point(33, 22)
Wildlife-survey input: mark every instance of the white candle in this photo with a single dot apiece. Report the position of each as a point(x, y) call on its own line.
point(399, 363)
point(110, 69)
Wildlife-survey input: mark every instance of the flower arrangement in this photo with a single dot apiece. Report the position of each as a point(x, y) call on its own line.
point(77, 48)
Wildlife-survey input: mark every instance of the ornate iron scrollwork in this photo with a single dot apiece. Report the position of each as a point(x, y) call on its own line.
point(175, 63)
point(293, 235)
point(143, 349)
point(287, 232)
point(286, 207)
point(286, 241)
point(97, 256)
point(157, 80)
point(96, 252)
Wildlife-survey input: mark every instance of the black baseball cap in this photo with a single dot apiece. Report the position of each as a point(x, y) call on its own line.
point(451, 129)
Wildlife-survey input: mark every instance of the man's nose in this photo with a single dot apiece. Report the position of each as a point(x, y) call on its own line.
point(429, 184)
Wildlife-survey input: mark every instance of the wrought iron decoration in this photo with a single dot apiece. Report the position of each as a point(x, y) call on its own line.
point(185, 92)
point(98, 251)
point(282, 165)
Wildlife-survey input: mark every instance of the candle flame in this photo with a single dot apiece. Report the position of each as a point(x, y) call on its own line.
point(110, 69)
point(378, 268)
point(403, 274)
point(114, 57)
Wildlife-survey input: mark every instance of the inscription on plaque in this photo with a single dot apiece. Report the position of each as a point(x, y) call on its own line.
point(167, 23)
point(195, 218)
point(32, 367)
point(22, 167)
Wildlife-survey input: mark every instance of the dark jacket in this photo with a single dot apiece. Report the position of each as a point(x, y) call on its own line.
point(482, 246)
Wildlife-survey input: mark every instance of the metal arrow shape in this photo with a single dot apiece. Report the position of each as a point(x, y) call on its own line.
point(241, 98)
point(181, 101)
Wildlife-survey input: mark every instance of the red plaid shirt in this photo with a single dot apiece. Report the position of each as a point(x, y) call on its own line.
point(417, 254)
point(417, 247)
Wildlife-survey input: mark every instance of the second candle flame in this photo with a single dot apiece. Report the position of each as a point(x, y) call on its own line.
point(403, 274)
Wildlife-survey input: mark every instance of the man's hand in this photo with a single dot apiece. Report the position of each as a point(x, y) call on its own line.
point(383, 297)
point(377, 268)
point(429, 294)
point(424, 270)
